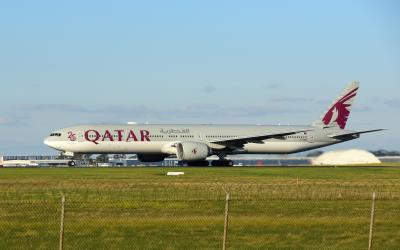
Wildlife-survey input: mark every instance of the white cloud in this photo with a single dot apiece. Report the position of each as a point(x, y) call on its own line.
point(54, 107)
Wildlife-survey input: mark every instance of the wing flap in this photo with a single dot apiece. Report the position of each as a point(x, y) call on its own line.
point(256, 138)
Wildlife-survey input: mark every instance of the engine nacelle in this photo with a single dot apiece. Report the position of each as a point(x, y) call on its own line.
point(151, 157)
point(192, 151)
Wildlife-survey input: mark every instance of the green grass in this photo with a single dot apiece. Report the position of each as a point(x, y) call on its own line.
point(142, 208)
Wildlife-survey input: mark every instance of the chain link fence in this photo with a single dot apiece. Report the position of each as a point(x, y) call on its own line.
point(171, 218)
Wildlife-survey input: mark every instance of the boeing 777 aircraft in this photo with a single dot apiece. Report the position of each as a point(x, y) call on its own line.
point(194, 143)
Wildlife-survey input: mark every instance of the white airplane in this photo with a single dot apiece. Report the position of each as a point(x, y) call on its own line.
point(192, 144)
point(32, 163)
point(16, 163)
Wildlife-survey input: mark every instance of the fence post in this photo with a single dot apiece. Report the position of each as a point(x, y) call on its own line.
point(226, 221)
point(371, 225)
point(61, 244)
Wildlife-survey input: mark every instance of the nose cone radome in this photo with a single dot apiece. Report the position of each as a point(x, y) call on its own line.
point(47, 141)
point(50, 142)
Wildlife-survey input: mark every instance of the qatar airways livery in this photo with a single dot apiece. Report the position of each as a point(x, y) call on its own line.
point(192, 144)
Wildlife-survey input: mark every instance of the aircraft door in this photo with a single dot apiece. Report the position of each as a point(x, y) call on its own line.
point(310, 137)
point(199, 136)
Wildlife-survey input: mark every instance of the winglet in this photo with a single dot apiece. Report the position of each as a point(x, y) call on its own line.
point(339, 111)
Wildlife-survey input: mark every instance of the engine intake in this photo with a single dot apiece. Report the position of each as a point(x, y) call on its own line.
point(192, 151)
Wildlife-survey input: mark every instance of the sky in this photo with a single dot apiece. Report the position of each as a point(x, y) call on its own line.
point(66, 63)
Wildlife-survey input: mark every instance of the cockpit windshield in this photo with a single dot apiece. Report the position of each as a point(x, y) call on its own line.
point(55, 134)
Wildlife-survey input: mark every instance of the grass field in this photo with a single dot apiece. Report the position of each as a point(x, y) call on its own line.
point(142, 208)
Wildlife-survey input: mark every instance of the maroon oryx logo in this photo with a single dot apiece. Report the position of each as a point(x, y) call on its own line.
point(71, 136)
point(340, 111)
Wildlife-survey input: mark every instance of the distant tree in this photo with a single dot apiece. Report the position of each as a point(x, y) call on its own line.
point(315, 153)
point(384, 152)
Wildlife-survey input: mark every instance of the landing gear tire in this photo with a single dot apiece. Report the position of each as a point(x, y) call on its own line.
point(71, 163)
point(198, 163)
point(222, 163)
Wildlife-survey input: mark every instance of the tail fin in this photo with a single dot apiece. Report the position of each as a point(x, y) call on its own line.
point(339, 111)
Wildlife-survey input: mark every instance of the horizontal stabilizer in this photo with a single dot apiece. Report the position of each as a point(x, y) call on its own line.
point(255, 138)
point(353, 134)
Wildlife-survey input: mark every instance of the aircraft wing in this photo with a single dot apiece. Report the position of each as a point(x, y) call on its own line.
point(353, 134)
point(240, 141)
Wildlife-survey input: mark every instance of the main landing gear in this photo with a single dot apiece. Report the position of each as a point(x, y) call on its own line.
point(216, 163)
point(198, 163)
point(222, 163)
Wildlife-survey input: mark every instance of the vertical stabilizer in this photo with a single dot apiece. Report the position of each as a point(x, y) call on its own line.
point(339, 111)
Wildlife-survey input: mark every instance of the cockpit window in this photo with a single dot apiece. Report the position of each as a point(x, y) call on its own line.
point(55, 134)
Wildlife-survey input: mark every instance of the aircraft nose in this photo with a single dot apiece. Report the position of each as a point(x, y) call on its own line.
point(50, 142)
point(46, 141)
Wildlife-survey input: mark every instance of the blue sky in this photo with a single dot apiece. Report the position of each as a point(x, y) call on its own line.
point(64, 63)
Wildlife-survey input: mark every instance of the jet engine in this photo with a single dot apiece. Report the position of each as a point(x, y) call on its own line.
point(192, 151)
point(151, 157)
